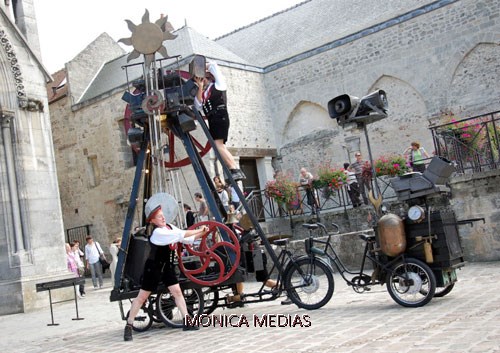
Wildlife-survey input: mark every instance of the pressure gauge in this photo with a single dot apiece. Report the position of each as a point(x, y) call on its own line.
point(416, 213)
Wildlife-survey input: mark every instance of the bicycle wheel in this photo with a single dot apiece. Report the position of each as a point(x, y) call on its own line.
point(310, 285)
point(168, 312)
point(143, 320)
point(210, 300)
point(442, 291)
point(411, 283)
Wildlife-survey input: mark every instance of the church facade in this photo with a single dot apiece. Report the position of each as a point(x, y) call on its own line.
point(31, 229)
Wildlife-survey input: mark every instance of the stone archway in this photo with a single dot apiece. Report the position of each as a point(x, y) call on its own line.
point(474, 85)
point(407, 120)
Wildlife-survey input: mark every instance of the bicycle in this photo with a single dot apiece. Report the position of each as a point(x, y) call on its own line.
point(410, 282)
point(307, 280)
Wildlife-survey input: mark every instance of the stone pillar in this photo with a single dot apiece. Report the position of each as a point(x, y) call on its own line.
point(5, 122)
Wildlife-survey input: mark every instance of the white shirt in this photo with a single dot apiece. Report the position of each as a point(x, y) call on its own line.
point(224, 197)
point(351, 177)
point(164, 236)
point(77, 253)
point(91, 253)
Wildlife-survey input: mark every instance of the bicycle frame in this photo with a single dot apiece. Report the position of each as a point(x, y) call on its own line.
point(361, 278)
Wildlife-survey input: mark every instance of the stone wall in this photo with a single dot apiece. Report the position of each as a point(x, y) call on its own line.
point(478, 196)
point(443, 60)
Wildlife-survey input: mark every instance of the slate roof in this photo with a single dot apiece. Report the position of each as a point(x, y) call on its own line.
point(299, 29)
point(188, 42)
point(309, 25)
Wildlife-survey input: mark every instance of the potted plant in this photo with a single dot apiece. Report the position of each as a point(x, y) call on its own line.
point(282, 189)
point(330, 179)
point(391, 165)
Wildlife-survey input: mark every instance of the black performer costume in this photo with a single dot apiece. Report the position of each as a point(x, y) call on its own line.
point(214, 107)
point(158, 266)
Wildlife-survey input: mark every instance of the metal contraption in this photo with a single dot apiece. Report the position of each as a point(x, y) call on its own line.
point(430, 225)
point(168, 133)
point(423, 237)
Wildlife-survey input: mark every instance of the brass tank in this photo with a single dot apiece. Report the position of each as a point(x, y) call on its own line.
point(391, 235)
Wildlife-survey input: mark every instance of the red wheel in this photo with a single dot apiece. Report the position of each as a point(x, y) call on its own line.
point(177, 156)
point(212, 249)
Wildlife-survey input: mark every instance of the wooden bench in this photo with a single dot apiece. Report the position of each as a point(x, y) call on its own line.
point(67, 282)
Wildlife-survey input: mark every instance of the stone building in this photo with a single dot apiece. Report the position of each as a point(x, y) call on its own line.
point(429, 56)
point(31, 228)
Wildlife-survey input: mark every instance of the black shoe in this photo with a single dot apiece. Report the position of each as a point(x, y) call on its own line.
point(237, 174)
point(236, 304)
point(127, 334)
point(190, 327)
point(287, 301)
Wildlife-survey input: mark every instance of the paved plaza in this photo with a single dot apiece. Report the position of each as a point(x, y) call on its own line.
point(466, 320)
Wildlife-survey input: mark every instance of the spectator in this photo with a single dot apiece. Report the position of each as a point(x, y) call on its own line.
point(113, 250)
point(218, 182)
point(235, 199)
point(363, 179)
point(305, 180)
point(224, 198)
point(70, 260)
point(190, 218)
point(415, 154)
point(352, 186)
point(202, 208)
point(78, 254)
point(92, 254)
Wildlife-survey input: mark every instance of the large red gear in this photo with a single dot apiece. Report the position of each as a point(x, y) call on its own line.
point(209, 251)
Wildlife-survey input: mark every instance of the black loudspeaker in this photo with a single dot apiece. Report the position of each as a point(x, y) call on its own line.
point(341, 107)
point(138, 252)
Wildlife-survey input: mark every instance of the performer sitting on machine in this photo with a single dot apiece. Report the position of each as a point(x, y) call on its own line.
point(158, 266)
point(211, 99)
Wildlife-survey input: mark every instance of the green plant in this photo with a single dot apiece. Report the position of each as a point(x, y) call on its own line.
point(391, 165)
point(282, 189)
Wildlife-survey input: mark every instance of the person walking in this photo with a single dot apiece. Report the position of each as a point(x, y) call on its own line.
point(93, 253)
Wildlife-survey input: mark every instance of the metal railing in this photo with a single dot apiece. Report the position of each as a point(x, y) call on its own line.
point(472, 144)
point(265, 208)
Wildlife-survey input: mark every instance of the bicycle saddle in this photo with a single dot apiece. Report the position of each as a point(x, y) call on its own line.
point(367, 237)
point(280, 242)
point(310, 226)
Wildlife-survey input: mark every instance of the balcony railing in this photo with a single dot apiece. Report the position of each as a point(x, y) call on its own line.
point(265, 208)
point(472, 144)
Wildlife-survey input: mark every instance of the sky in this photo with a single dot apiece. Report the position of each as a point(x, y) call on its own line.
point(66, 27)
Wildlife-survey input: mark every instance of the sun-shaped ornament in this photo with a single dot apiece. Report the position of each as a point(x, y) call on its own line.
point(147, 38)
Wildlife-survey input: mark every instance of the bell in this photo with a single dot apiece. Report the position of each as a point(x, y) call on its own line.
point(231, 218)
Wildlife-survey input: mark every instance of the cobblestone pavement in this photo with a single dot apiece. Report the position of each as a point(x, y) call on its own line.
point(466, 320)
